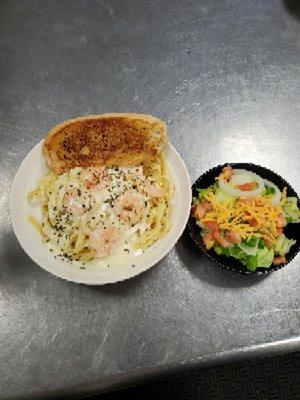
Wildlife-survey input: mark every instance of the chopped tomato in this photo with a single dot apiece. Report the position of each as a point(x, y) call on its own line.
point(212, 224)
point(220, 239)
point(227, 172)
point(252, 222)
point(279, 260)
point(208, 240)
point(258, 202)
point(281, 221)
point(268, 243)
point(233, 237)
point(279, 230)
point(206, 205)
point(247, 187)
point(200, 209)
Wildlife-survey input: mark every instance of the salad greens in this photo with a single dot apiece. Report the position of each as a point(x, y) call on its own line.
point(269, 190)
point(283, 245)
point(291, 210)
point(262, 257)
point(203, 192)
point(221, 196)
point(243, 216)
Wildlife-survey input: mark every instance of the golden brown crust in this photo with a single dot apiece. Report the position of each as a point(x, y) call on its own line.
point(108, 139)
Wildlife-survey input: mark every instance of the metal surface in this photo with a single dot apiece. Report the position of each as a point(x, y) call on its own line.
point(225, 76)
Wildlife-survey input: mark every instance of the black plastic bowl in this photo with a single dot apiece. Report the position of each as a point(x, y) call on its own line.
point(292, 231)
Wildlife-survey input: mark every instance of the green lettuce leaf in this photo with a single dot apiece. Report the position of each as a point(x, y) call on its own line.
point(269, 190)
point(283, 245)
point(236, 252)
point(249, 247)
point(265, 257)
point(251, 263)
point(222, 197)
point(291, 210)
point(202, 192)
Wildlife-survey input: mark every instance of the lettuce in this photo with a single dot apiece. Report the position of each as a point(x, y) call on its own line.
point(249, 247)
point(251, 263)
point(291, 210)
point(218, 249)
point(203, 192)
point(269, 190)
point(283, 245)
point(236, 253)
point(251, 242)
point(262, 258)
point(257, 256)
point(195, 200)
point(265, 257)
point(222, 197)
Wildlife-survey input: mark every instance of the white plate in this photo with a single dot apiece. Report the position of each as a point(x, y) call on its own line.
point(34, 166)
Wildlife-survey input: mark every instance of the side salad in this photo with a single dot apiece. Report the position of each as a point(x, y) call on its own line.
point(243, 216)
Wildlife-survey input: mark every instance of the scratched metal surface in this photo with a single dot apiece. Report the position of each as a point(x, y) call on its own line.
point(225, 76)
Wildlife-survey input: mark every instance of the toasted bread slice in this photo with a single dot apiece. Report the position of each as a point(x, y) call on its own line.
point(108, 139)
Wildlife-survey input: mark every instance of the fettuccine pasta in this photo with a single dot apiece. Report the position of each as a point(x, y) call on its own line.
point(95, 212)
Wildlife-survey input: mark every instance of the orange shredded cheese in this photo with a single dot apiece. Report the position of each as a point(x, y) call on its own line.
point(235, 216)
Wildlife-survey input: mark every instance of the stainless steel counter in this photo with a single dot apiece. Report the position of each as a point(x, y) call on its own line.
point(224, 74)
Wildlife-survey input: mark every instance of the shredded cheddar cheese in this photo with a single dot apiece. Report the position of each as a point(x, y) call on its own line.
point(247, 217)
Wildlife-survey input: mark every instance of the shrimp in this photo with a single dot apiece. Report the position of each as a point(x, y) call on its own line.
point(153, 190)
point(94, 178)
point(104, 240)
point(130, 207)
point(71, 202)
point(135, 174)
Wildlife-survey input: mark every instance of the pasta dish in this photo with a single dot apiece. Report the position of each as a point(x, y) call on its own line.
point(92, 213)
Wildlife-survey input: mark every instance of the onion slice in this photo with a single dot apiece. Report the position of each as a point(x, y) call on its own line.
point(275, 198)
point(241, 176)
